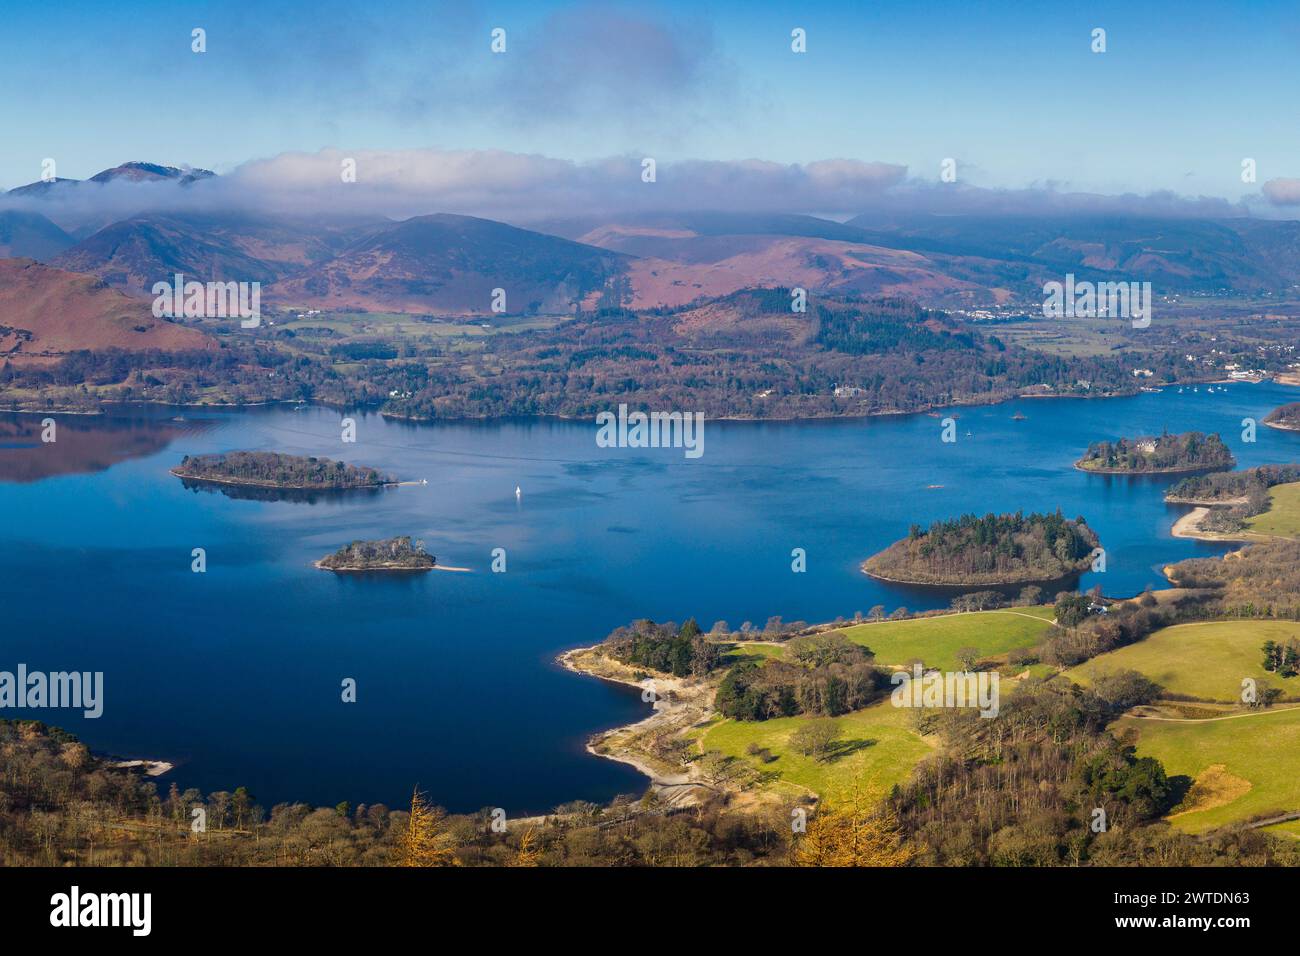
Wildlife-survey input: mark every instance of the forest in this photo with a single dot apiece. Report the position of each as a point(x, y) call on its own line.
point(682, 652)
point(1260, 581)
point(753, 359)
point(1024, 790)
point(824, 675)
point(1222, 487)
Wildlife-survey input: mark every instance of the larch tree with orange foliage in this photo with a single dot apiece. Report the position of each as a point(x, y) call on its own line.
point(528, 854)
point(426, 841)
point(853, 832)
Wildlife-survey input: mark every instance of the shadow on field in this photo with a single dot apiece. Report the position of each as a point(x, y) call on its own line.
point(844, 748)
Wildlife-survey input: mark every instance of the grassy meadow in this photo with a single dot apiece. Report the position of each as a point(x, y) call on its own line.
point(936, 640)
point(877, 748)
point(1244, 765)
point(1282, 519)
point(1207, 661)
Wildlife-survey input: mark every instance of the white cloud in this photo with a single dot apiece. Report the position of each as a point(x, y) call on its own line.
point(1282, 192)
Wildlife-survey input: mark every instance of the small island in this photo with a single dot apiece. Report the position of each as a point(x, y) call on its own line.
point(390, 554)
point(1157, 455)
point(1286, 418)
point(996, 550)
point(266, 469)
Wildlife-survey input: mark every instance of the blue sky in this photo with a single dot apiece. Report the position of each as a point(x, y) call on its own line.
point(1184, 92)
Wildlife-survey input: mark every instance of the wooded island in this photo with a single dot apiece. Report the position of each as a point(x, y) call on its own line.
point(267, 469)
point(1163, 454)
point(390, 554)
point(992, 550)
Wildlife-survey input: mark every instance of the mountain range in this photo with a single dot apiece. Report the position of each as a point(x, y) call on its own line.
point(445, 264)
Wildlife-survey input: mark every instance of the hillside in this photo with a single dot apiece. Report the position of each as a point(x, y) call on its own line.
point(1174, 254)
point(444, 264)
point(135, 253)
point(31, 236)
point(46, 311)
point(975, 259)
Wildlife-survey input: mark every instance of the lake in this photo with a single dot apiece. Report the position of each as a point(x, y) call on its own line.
point(234, 674)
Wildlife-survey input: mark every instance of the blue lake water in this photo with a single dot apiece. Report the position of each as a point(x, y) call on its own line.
point(234, 674)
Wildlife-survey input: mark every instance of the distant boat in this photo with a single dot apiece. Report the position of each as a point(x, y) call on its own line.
point(1017, 417)
point(968, 433)
point(518, 493)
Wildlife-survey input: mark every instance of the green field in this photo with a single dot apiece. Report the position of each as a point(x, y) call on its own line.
point(936, 640)
point(1282, 519)
point(1207, 661)
point(1289, 829)
point(1260, 748)
point(744, 649)
point(881, 750)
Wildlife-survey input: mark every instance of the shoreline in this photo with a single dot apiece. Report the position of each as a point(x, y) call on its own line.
point(833, 416)
point(1078, 466)
point(151, 768)
point(678, 706)
point(877, 576)
point(353, 569)
point(418, 419)
point(1189, 526)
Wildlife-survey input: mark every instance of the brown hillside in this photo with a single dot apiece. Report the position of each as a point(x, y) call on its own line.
point(716, 266)
point(47, 311)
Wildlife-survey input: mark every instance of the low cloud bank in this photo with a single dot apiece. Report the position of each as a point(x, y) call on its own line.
point(523, 188)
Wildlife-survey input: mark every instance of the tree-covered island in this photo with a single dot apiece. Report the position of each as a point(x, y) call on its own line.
point(390, 554)
point(993, 550)
point(1162, 454)
point(267, 469)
